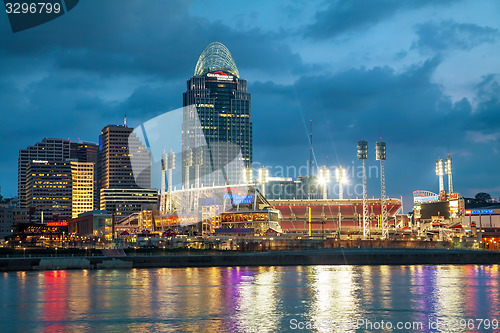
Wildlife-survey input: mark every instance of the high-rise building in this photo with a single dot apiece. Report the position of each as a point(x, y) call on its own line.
point(49, 190)
point(122, 160)
point(82, 174)
point(123, 171)
point(83, 151)
point(216, 118)
point(50, 150)
point(45, 193)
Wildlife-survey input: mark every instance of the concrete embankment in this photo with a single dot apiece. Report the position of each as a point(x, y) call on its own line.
point(278, 258)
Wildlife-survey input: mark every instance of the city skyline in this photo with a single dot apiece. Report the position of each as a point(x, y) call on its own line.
point(422, 75)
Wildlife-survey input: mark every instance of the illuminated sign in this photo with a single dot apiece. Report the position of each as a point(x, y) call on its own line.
point(442, 195)
point(426, 199)
point(38, 161)
point(220, 76)
point(57, 224)
point(239, 199)
point(478, 211)
point(420, 196)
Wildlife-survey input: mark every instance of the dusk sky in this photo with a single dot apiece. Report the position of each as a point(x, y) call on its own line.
point(422, 74)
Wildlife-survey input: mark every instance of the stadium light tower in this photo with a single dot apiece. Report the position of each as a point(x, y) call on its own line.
point(324, 179)
point(170, 164)
point(188, 162)
point(163, 186)
point(363, 155)
point(263, 179)
point(198, 161)
point(440, 174)
point(170, 167)
point(247, 175)
point(447, 166)
point(381, 156)
point(340, 175)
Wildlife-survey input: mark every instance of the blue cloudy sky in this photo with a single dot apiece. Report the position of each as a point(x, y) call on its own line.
point(424, 74)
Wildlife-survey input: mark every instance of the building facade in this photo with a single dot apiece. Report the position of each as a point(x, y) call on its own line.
point(50, 150)
point(92, 224)
point(123, 172)
point(6, 221)
point(83, 151)
point(122, 160)
point(123, 202)
point(49, 190)
point(82, 174)
point(217, 128)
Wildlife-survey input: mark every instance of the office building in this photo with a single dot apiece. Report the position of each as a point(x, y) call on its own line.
point(50, 150)
point(82, 151)
point(6, 221)
point(122, 160)
point(49, 190)
point(123, 172)
point(82, 174)
point(216, 118)
point(123, 202)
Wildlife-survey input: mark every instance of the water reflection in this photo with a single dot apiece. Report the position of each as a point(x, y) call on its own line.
point(246, 299)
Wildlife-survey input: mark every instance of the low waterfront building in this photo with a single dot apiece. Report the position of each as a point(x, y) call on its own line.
point(97, 223)
point(6, 221)
point(485, 222)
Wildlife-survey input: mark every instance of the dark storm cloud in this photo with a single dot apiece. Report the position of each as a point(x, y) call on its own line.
point(72, 76)
point(488, 107)
point(363, 100)
point(116, 39)
point(449, 35)
point(344, 16)
point(413, 114)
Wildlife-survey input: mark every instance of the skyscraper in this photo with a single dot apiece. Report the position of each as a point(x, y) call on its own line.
point(82, 174)
point(49, 190)
point(42, 177)
point(118, 148)
point(50, 150)
point(83, 151)
point(216, 118)
point(86, 152)
point(123, 171)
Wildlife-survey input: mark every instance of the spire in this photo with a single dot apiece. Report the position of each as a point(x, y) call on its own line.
point(125, 120)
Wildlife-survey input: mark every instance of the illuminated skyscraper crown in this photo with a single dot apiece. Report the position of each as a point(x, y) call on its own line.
point(216, 57)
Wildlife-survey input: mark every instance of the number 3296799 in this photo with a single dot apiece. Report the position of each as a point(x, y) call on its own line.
point(32, 8)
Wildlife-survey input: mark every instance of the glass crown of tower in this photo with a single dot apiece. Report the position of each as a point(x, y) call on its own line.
point(216, 57)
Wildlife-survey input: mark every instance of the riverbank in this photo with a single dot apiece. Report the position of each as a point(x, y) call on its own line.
point(361, 256)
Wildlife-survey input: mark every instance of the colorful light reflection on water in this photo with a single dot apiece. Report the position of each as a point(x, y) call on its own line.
point(245, 299)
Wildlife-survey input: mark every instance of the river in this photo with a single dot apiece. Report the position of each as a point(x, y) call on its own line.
point(254, 299)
